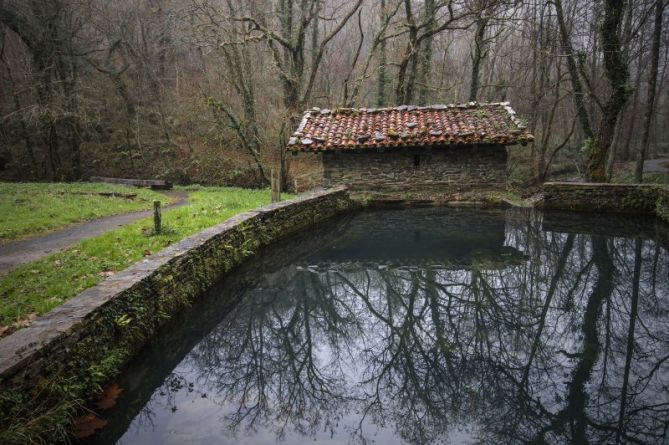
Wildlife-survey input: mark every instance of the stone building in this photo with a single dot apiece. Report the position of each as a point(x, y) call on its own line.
point(436, 149)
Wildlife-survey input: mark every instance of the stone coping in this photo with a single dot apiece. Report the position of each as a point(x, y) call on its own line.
point(22, 347)
point(601, 185)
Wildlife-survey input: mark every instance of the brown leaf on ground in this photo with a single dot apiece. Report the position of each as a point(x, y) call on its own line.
point(107, 399)
point(106, 273)
point(5, 330)
point(21, 322)
point(86, 425)
point(25, 321)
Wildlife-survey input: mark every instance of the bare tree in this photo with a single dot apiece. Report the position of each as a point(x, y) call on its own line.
point(209, 91)
point(617, 73)
point(49, 29)
point(652, 84)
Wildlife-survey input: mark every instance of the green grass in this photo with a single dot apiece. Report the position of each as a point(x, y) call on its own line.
point(32, 208)
point(39, 286)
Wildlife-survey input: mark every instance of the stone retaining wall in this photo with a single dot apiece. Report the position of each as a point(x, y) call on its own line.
point(67, 353)
point(620, 198)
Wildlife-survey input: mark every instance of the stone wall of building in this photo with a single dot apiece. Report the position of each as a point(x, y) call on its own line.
point(428, 170)
point(305, 171)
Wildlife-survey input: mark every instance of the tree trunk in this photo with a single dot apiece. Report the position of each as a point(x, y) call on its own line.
point(652, 82)
point(25, 135)
point(577, 87)
point(425, 55)
point(381, 77)
point(635, 102)
point(617, 74)
point(406, 74)
point(477, 56)
point(629, 352)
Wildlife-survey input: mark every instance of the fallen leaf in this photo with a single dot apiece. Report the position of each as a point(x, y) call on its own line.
point(107, 399)
point(86, 425)
point(106, 273)
point(5, 330)
point(25, 321)
point(21, 322)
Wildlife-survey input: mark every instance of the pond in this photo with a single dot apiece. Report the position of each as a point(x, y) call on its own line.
point(416, 326)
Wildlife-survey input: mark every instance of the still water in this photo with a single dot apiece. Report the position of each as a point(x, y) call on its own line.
point(417, 326)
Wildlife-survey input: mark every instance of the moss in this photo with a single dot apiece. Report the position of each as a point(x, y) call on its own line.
point(501, 198)
point(662, 205)
point(363, 199)
point(346, 111)
point(45, 409)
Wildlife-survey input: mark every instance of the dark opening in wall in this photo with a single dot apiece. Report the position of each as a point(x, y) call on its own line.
point(416, 160)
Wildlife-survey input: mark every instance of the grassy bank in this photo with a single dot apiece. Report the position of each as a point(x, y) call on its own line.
point(31, 208)
point(37, 287)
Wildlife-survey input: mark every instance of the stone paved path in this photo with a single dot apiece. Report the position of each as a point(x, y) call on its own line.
point(15, 253)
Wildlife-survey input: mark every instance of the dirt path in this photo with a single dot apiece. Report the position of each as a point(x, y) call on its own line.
point(15, 253)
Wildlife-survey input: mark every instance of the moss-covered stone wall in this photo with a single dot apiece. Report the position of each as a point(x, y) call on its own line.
point(620, 198)
point(662, 207)
point(50, 368)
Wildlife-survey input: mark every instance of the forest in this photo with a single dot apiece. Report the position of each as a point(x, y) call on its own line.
point(209, 91)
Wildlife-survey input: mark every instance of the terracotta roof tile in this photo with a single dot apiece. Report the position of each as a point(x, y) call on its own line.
point(409, 126)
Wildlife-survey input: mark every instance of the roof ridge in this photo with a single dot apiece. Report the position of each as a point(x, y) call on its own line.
point(435, 107)
point(305, 136)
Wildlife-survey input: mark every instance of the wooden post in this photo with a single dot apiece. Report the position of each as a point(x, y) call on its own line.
point(156, 217)
point(275, 182)
point(271, 183)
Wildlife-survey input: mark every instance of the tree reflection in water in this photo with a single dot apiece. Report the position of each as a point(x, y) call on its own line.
point(422, 325)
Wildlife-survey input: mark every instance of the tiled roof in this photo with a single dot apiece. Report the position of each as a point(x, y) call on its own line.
point(409, 126)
